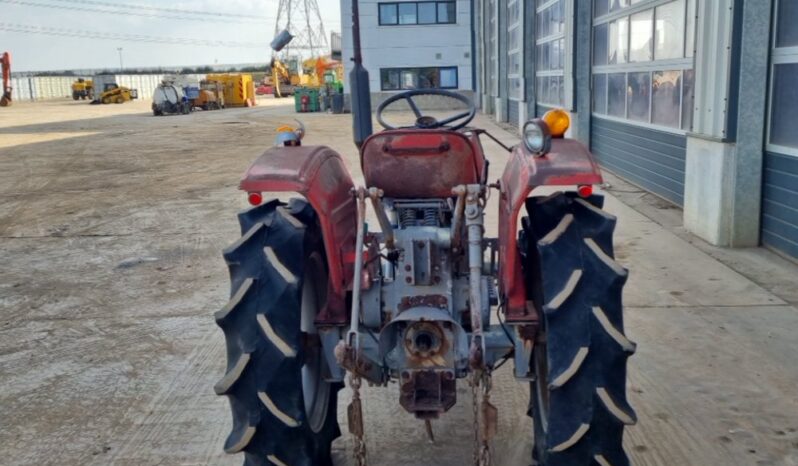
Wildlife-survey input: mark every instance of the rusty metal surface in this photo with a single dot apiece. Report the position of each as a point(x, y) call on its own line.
point(319, 174)
point(379, 209)
point(420, 163)
point(568, 163)
point(427, 393)
point(432, 300)
point(435, 353)
point(354, 414)
point(356, 363)
point(490, 419)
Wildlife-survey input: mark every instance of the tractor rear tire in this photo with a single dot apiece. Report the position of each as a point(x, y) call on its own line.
point(578, 398)
point(284, 413)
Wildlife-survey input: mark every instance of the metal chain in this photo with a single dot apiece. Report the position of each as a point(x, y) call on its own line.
point(357, 431)
point(475, 404)
point(484, 447)
point(481, 454)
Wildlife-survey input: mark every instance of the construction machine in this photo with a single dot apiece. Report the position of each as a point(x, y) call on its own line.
point(116, 94)
point(169, 98)
point(285, 77)
point(210, 96)
point(107, 91)
point(83, 89)
point(321, 71)
point(430, 299)
point(239, 88)
point(5, 65)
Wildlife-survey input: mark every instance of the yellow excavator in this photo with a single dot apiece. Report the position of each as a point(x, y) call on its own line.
point(287, 76)
point(284, 78)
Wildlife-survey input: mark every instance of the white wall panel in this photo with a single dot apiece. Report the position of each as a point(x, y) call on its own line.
point(60, 87)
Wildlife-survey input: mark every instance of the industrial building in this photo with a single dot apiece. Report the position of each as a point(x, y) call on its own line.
point(692, 100)
point(412, 45)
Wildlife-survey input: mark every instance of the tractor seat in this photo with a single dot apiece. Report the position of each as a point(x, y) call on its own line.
point(419, 163)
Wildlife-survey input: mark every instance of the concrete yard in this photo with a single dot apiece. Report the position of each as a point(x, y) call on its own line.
point(111, 227)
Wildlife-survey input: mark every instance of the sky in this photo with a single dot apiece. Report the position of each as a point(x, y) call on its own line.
point(39, 52)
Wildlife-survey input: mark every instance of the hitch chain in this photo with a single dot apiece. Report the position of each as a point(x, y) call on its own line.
point(485, 417)
point(355, 414)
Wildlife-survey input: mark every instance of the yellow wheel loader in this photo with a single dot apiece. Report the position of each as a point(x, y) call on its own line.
point(116, 94)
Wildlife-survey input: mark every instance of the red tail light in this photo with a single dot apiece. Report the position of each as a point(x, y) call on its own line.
point(585, 190)
point(255, 198)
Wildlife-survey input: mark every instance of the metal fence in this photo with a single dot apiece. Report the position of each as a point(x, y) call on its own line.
point(60, 87)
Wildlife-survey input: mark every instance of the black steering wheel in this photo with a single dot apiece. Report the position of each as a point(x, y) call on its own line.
point(426, 121)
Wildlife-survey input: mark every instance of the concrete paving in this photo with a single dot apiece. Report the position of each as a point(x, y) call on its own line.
point(111, 223)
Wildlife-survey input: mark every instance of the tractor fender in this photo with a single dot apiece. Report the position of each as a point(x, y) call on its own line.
point(568, 163)
point(318, 173)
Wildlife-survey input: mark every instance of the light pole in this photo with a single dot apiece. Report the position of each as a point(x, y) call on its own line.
point(121, 66)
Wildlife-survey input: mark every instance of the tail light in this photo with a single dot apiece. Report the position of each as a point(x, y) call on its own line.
point(585, 190)
point(255, 198)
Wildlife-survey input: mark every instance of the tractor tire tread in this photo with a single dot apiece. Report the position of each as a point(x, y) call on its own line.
point(571, 273)
point(261, 324)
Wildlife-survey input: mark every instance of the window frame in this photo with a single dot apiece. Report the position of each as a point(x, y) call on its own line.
point(566, 70)
point(778, 56)
point(518, 26)
point(437, 22)
point(493, 46)
point(416, 69)
point(418, 12)
point(672, 64)
point(396, 13)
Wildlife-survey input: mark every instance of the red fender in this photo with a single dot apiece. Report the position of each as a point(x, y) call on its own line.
point(318, 173)
point(568, 163)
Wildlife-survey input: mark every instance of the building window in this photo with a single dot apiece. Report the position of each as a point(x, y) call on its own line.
point(388, 14)
point(642, 61)
point(515, 50)
point(427, 13)
point(405, 13)
point(493, 47)
point(400, 79)
point(446, 13)
point(550, 53)
point(782, 136)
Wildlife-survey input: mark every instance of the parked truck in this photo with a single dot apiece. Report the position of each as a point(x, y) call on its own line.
point(170, 97)
point(210, 96)
point(83, 89)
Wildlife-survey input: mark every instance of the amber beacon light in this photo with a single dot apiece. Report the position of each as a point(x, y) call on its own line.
point(558, 122)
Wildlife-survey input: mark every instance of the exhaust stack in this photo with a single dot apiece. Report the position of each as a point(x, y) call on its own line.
point(359, 85)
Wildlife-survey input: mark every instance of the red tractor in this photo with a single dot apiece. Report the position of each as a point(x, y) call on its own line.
point(428, 301)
